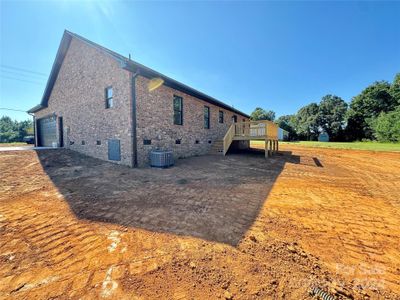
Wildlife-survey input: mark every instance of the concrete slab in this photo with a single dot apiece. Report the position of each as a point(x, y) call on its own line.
point(24, 148)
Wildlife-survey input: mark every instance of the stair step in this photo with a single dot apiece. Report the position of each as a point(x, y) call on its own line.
point(217, 148)
point(215, 153)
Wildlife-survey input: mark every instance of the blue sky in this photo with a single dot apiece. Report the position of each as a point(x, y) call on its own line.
point(276, 55)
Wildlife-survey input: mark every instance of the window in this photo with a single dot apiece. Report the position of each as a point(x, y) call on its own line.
point(234, 119)
point(178, 116)
point(109, 97)
point(221, 116)
point(206, 117)
point(178, 142)
point(83, 142)
point(146, 142)
point(98, 142)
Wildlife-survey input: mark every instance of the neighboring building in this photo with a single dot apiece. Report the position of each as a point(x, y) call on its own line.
point(104, 105)
point(283, 135)
point(323, 137)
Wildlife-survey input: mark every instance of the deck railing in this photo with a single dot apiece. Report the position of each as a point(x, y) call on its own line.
point(250, 129)
point(228, 138)
point(257, 129)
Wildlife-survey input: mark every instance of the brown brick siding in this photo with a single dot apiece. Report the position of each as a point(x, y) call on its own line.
point(155, 122)
point(79, 97)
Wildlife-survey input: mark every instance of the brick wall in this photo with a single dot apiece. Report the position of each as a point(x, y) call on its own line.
point(79, 97)
point(155, 122)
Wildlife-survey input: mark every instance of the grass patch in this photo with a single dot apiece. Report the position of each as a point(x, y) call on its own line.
point(16, 144)
point(372, 146)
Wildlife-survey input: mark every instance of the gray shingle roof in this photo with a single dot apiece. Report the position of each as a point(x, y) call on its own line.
point(127, 64)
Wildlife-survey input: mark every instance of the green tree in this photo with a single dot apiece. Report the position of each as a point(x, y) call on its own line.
point(24, 128)
point(288, 123)
point(395, 89)
point(307, 122)
point(14, 131)
point(8, 132)
point(366, 106)
point(387, 126)
point(262, 114)
point(332, 116)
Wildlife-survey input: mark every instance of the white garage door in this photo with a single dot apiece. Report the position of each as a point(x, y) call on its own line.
point(47, 131)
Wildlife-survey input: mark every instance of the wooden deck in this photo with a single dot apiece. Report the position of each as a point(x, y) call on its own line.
point(253, 130)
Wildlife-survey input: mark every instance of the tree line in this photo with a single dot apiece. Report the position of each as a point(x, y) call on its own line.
point(14, 131)
point(374, 114)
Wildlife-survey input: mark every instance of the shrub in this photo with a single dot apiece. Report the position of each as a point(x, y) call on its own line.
point(387, 126)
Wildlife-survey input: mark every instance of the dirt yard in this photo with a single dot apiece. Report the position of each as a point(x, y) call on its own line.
point(234, 227)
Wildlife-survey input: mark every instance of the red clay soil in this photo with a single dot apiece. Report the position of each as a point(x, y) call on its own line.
point(234, 227)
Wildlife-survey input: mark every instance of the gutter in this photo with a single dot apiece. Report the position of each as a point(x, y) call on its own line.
point(133, 66)
point(35, 108)
point(34, 126)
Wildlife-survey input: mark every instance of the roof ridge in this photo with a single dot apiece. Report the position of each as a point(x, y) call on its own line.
point(128, 64)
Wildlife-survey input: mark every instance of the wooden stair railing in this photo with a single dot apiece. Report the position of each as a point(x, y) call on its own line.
point(228, 138)
point(256, 129)
point(250, 130)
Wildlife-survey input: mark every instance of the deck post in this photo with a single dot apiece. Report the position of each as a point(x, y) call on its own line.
point(271, 147)
point(277, 145)
point(266, 148)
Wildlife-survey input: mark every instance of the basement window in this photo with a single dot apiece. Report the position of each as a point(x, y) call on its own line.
point(146, 142)
point(178, 142)
point(109, 97)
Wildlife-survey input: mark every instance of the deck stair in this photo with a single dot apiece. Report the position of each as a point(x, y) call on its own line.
point(217, 148)
point(252, 130)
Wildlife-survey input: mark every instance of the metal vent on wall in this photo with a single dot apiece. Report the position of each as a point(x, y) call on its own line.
point(114, 150)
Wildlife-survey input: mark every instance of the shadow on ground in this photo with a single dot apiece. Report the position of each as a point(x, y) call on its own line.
point(215, 198)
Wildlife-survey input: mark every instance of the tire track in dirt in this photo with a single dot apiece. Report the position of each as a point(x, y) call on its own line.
point(314, 218)
point(363, 195)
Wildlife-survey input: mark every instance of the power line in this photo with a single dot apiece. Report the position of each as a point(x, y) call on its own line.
point(23, 70)
point(12, 109)
point(17, 73)
point(19, 79)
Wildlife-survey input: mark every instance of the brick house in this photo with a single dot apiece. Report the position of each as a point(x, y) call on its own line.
point(104, 105)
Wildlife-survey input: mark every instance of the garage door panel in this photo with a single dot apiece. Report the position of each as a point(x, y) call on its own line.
point(47, 131)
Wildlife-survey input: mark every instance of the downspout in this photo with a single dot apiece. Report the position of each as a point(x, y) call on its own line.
point(134, 162)
point(34, 127)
